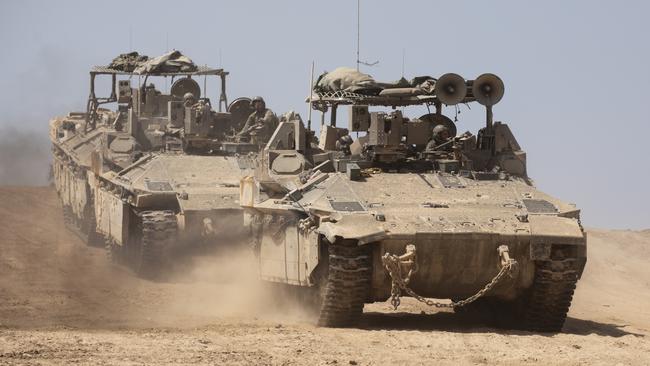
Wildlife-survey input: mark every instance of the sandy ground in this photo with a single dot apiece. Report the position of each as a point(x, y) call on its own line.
point(62, 302)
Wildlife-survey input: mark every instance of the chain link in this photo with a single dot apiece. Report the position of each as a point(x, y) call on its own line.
point(393, 265)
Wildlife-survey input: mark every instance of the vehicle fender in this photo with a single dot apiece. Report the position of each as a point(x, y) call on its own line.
point(364, 228)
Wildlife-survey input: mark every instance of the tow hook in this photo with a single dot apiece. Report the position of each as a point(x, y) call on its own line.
point(504, 254)
point(208, 228)
point(408, 263)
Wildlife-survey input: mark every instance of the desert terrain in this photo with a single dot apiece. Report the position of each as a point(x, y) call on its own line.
point(62, 302)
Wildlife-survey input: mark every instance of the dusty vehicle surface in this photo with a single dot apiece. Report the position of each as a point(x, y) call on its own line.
point(392, 214)
point(157, 173)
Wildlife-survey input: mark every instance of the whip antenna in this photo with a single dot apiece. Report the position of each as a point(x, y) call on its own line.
point(311, 94)
point(359, 38)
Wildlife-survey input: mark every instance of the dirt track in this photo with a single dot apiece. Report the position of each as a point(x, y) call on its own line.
point(62, 302)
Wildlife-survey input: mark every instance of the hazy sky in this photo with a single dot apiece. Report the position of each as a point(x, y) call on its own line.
point(577, 73)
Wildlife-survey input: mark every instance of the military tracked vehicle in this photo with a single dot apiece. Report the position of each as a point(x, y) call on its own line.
point(457, 224)
point(157, 173)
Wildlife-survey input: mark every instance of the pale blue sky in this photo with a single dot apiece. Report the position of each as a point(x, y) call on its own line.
point(577, 73)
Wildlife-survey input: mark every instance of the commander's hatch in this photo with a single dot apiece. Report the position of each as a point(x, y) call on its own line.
point(283, 161)
point(289, 135)
point(281, 172)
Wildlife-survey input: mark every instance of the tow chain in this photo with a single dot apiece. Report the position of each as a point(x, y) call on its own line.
point(397, 265)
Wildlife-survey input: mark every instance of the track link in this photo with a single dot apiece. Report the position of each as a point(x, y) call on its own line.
point(88, 228)
point(85, 229)
point(159, 231)
point(346, 288)
point(542, 308)
point(68, 218)
point(114, 252)
point(551, 295)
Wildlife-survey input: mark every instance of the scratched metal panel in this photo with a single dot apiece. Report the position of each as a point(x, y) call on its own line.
point(349, 206)
point(539, 206)
point(158, 186)
point(450, 181)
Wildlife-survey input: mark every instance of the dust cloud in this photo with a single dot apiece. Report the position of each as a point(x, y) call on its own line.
point(49, 278)
point(24, 157)
point(226, 285)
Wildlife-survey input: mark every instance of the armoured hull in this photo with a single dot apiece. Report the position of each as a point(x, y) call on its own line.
point(456, 227)
point(348, 236)
point(160, 172)
point(411, 208)
point(196, 195)
point(72, 176)
point(201, 191)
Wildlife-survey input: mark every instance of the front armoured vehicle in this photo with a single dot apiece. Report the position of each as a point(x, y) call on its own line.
point(159, 172)
point(398, 212)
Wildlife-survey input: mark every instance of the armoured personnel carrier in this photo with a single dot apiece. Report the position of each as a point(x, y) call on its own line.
point(157, 173)
point(399, 213)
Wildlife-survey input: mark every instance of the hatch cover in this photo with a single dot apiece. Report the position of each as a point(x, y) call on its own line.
point(450, 181)
point(245, 163)
point(158, 186)
point(485, 175)
point(347, 206)
point(539, 206)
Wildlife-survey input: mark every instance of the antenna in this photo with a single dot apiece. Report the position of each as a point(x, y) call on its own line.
point(403, 57)
point(205, 84)
point(311, 93)
point(167, 50)
point(358, 30)
point(359, 38)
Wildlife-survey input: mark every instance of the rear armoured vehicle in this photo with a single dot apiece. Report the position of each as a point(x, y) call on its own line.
point(158, 173)
point(403, 212)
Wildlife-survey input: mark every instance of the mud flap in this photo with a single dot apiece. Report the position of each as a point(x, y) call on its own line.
point(549, 230)
point(287, 253)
